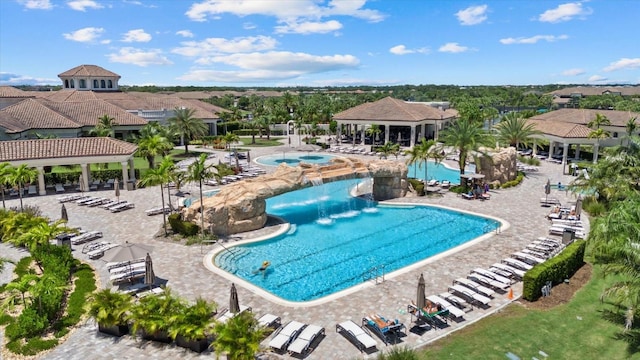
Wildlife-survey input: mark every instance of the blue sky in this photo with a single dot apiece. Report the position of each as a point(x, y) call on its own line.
point(323, 43)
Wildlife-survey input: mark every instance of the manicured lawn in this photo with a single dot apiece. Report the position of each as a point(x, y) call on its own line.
point(246, 141)
point(577, 330)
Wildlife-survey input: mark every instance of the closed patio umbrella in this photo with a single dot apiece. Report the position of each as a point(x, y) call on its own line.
point(64, 216)
point(547, 189)
point(420, 297)
point(127, 252)
point(81, 185)
point(149, 276)
point(234, 304)
point(579, 206)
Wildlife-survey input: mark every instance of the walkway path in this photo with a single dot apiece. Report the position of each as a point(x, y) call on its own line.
point(182, 266)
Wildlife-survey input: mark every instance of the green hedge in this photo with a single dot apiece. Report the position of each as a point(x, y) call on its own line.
point(184, 228)
point(515, 182)
point(556, 270)
point(418, 186)
point(96, 174)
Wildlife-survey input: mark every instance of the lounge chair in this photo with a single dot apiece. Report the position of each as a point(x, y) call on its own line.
point(226, 315)
point(517, 264)
point(456, 301)
point(481, 279)
point(86, 237)
point(480, 289)
point(270, 321)
point(529, 259)
point(33, 190)
point(285, 335)
point(121, 207)
point(454, 312)
point(126, 276)
point(356, 335)
point(469, 294)
point(128, 268)
point(98, 252)
point(436, 317)
point(468, 196)
point(513, 271)
point(492, 275)
point(445, 184)
point(303, 343)
point(154, 291)
point(59, 188)
point(383, 328)
point(158, 210)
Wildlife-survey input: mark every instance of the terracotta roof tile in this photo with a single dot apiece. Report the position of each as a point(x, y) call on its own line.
point(598, 90)
point(390, 109)
point(32, 114)
point(11, 92)
point(86, 113)
point(20, 150)
point(89, 70)
point(561, 129)
point(584, 116)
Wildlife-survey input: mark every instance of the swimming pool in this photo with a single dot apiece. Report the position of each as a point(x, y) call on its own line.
point(336, 241)
point(294, 158)
point(188, 201)
point(436, 171)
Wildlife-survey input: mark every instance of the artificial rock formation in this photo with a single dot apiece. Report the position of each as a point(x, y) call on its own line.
point(240, 207)
point(499, 167)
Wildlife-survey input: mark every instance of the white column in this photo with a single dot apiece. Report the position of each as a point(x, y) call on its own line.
point(85, 175)
point(565, 153)
point(535, 147)
point(125, 173)
point(412, 142)
point(577, 151)
point(596, 147)
point(354, 131)
point(386, 133)
point(552, 148)
point(41, 185)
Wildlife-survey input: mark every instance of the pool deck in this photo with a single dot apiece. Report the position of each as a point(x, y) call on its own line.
point(183, 269)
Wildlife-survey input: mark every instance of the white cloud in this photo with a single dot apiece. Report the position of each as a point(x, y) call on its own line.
point(533, 39)
point(185, 33)
point(564, 12)
point(137, 35)
point(453, 48)
point(86, 35)
point(139, 57)
point(402, 50)
point(82, 5)
point(217, 46)
point(15, 79)
point(597, 78)
point(295, 12)
point(472, 15)
point(105, 41)
point(249, 26)
point(36, 4)
point(310, 27)
point(573, 72)
point(623, 64)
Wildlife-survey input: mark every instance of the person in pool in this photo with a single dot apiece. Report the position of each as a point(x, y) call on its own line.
point(263, 268)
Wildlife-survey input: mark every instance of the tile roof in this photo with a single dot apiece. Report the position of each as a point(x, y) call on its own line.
point(11, 92)
point(67, 95)
point(597, 90)
point(86, 113)
point(150, 101)
point(584, 116)
point(31, 114)
point(390, 109)
point(20, 150)
point(561, 129)
point(89, 70)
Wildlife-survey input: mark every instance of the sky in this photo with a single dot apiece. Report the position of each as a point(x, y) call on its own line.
point(319, 43)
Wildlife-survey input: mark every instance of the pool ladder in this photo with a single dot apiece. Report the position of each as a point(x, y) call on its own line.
point(491, 227)
point(376, 273)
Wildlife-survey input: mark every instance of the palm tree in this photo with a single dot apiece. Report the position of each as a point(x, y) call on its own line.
point(230, 138)
point(41, 233)
point(424, 151)
point(199, 171)
point(22, 285)
point(5, 173)
point(153, 315)
point(374, 131)
point(187, 126)
point(111, 309)
point(514, 130)
point(598, 121)
point(104, 127)
point(389, 149)
point(414, 155)
point(194, 324)
point(631, 126)
point(153, 145)
point(4, 261)
point(239, 337)
point(466, 136)
point(21, 175)
point(159, 176)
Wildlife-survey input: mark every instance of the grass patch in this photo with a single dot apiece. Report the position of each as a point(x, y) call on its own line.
point(577, 330)
point(274, 141)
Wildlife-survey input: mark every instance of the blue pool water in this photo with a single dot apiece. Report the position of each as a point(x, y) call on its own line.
point(335, 240)
point(294, 158)
point(188, 201)
point(436, 171)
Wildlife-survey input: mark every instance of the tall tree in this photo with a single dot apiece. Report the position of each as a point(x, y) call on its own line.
point(41, 233)
point(5, 175)
point(466, 136)
point(199, 171)
point(104, 127)
point(598, 121)
point(187, 126)
point(152, 145)
point(239, 337)
point(19, 176)
point(423, 152)
point(514, 130)
point(630, 127)
point(159, 176)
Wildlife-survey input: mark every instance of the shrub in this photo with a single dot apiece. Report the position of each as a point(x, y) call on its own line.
point(22, 267)
point(593, 206)
point(31, 347)
point(85, 284)
point(184, 228)
point(418, 186)
point(28, 324)
point(515, 182)
point(556, 270)
point(402, 353)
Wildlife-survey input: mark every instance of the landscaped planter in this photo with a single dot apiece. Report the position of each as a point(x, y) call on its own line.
point(159, 336)
point(115, 330)
point(193, 345)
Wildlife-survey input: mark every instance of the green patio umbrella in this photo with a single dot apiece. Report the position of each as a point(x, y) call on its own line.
point(420, 297)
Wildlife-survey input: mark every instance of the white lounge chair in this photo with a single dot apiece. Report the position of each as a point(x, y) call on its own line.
point(228, 314)
point(96, 253)
point(86, 237)
point(456, 301)
point(158, 210)
point(454, 311)
point(33, 190)
point(285, 335)
point(59, 188)
point(269, 320)
point(470, 294)
point(517, 264)
point(302, 344)
point(480, 289)
point(356, 334)
point(530, 259)
point(121, 207)
point(492, 275)
point(514, 272)
point(481, 279)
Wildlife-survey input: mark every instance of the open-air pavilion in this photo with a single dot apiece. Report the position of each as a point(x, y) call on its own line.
point(44, 153)
point(401, 122)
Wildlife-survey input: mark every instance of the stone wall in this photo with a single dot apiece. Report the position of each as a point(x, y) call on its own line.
point(241, 206)
point(500, 166)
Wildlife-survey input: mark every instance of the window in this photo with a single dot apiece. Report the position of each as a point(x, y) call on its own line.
point(103, 84)
point(72, 83)
point(615, 134)
point(66, 84)
point(83, 84)
point(110, 84)
point(95, 84)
